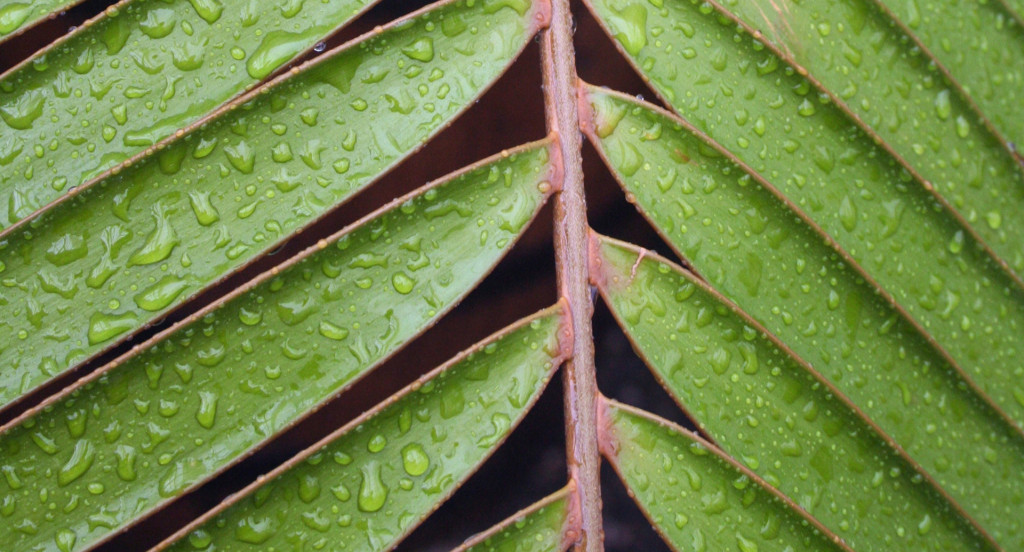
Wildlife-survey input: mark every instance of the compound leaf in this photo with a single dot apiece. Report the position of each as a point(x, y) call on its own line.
point(207, 392)
point(685, 184)
point(769, 410)
point(105, 262)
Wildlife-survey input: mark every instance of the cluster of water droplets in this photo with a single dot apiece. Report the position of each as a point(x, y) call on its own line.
point(372, 483)
point(132, 78)
point(778, 270)
point(836, 174)
point(144, 240)
point(874, 67)
point(773, 415)
point(981, 47)
point(181, 409)
point(699, 501)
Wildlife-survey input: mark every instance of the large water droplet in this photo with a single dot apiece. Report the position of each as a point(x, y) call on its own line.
point(372, 492)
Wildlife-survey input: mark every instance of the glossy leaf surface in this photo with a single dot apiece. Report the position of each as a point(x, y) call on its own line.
point(16, 16)
point(722, 80)
point(369, 484)
point(538, 528)
point(119, 255)
point(981, 44)
point(775, 267)
point(134, 76)
point(951, 288)
point(150, 426)
point(767, 410)
point(857, 52)
point(698, 498)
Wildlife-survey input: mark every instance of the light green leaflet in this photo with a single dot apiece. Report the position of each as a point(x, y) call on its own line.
point(698, 498)
point(538, 528)
point(134, 76)
point(721, 80)
point(1016, 7)
point(151, 425)
point(16, 16)
point(913, 108)
point(981, 44)
point(370, 483)
point(107, 261)
point(858, 194)
point(753, 250)
point(765, 409)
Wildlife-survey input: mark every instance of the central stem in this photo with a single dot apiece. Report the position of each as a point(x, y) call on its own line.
point(571, 236)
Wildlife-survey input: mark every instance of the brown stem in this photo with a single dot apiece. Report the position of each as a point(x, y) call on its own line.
point(559, 67)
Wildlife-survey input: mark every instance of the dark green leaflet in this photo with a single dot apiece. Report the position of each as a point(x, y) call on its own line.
point(16, 16)
point(768, 411)
point(153, 424)
point(696, 497)
point(753, 249)
point(370, 483)
point(134, 76)
point(849, 186)
point(722, 80)
point(913, 108)
point(538, 528)
point(981, 44)
point(111, 259)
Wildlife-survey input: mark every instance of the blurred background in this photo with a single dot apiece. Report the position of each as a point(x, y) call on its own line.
point(531, 464)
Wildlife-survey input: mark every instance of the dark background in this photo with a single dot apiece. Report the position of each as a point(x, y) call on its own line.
point(531, 464)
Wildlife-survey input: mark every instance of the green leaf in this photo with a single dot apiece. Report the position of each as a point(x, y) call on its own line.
point(697, 497)
point(721, 79)
point(541, 527)
point(133, 77)
point(367, 485)
point(981, 45)
point(17, 16)
point(772, 412)
point(857, 52)
point(207, 392)
point(956, 294)
point(752, 249)
point(123, 252)
point(1016, 8)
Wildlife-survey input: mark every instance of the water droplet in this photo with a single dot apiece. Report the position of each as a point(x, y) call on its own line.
point(103, 326)
point(209, 10)
point(65, 540)
point(13, 15)
point(422, 49)
point(415, 459)
point(160, 242)
point(377, 443)
point(254, 530)
point(403, 283)
point(79, 463)
point(157, 296)
point(207, 413)
point(276, 48)
point(943, 108)
point(372, 492)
